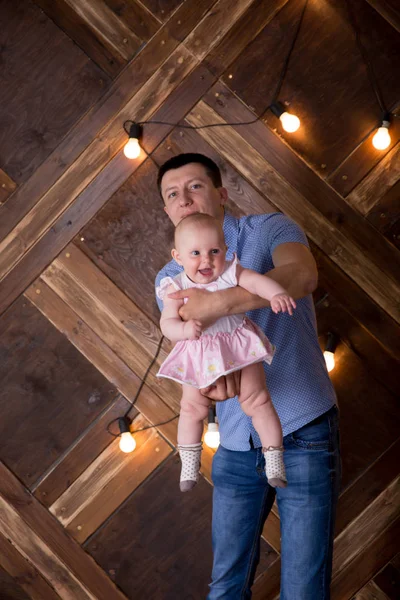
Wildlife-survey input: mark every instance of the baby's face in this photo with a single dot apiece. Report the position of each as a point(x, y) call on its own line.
point(201, 251)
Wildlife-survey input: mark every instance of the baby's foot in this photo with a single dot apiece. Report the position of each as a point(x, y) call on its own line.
point(190, 457)
point(275, 467)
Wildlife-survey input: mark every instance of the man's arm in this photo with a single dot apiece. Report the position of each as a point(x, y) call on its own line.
point(294, 269)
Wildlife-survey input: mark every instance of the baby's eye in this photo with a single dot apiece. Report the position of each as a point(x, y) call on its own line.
point(195, 253)
point(215, 251)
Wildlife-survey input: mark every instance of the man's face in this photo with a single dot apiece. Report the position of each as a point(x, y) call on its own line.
point(189, 190)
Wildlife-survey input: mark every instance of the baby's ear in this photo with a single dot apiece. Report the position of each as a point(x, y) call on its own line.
point(175, 256)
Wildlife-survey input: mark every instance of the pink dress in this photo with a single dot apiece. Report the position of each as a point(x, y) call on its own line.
point(231, 343)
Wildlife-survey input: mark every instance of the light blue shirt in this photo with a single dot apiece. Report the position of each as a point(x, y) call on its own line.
point(297, 378)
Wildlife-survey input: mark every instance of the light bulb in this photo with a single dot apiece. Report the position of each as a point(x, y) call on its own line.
point(132, 148)
point(127, 443)
point(329, 360)
point(211, 438)
point(290, 123)
point(381, 139)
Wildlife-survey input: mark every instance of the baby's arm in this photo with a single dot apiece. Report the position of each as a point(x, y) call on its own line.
point(172, 325)
point(265, 287)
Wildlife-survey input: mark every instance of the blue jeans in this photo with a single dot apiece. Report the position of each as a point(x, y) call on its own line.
point(242, 500)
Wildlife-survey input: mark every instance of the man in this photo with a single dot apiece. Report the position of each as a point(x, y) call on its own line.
point(300, 389)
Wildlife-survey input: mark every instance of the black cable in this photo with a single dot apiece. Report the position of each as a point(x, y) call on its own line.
point(191, 126)
point(137, 395)
point(286, 63)
point(370, 71)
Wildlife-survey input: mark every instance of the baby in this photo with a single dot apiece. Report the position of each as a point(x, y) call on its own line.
point(232, 343)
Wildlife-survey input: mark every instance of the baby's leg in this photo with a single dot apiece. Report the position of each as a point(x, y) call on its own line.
point(256, 402)
point(194, 409)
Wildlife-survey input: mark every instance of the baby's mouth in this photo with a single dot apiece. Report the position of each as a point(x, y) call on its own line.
point(206, 272)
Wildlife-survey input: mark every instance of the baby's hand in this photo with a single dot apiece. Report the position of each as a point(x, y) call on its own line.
point(283, 302)
point(192, 330)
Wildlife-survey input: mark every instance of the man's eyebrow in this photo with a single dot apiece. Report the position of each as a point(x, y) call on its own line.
point(174, 186)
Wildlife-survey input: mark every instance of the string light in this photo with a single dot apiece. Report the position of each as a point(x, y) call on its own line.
point(381, 139)
point(127, 442)
point(132, 147)
point(211, 438)
point(330, 347)
point(290, 123)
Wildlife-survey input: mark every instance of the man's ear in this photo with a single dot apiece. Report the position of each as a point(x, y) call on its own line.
point(175, 256)
point(223, 195)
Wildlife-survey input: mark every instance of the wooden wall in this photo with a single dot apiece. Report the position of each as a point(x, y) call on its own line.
point(83, 234)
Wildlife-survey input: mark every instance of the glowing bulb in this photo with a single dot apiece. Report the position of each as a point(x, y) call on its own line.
point(132, 148)
point(212, 436)
point(127, 442)
point(381, 139)
point(329, 360)
point(290, 123)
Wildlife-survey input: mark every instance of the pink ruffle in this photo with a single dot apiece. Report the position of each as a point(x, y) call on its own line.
point(201, 362)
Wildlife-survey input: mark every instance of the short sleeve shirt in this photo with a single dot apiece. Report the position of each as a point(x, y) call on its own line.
point(297, 378)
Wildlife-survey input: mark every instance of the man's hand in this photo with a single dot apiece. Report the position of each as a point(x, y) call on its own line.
point(200, 306)
point(282, 302)
point(192, 329)
point(224, 388)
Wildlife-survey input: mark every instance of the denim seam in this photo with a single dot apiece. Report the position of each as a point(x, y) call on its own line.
point(257, 539)
point(330, 528)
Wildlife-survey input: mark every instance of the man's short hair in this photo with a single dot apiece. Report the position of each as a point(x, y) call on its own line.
point(181, 160)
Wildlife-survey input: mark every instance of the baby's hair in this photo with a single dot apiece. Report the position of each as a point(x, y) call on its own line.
point(198, 219)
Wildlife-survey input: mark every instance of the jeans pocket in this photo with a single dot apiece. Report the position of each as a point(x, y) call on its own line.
point(316, 435)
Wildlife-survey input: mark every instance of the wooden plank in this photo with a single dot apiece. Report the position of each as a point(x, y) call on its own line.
point(83, 452)
point(342, 250)
point(7, 186)
point(389, 10)
point(272, 531)
point(56, 393)
point(131, 80)
point(162, 9)
point(107, 27)
point(266, 586)
point(366, 563)
point(367, 487)
point(141, 21)
point(46, 530)
point(370, 592)
point(388, 580)
point(66, 18)
point(246, 28)
point(72, 220)
point(11, 590)
point(108, 481)
point(102, 357)
point(376, 359)
point(384, 330)
point(23, 573)
point(362, 160)
point(32, 547)
point(297, 173)
point(38, 52)
point(374, 186)
point(215, 25)
point(386, 214)
point(377, 517)
point(92, 161)
point(115, 319)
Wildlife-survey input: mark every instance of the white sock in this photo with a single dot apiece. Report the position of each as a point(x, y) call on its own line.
point(274, 466)
point(190, 457)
